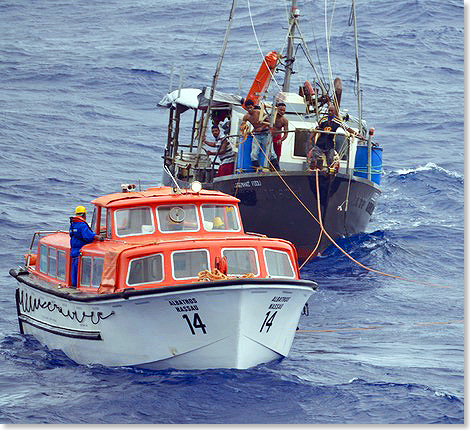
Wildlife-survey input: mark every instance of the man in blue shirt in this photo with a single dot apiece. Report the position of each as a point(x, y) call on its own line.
point(80, 234)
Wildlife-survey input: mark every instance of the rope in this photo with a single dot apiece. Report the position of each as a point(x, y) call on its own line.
point(333, 241)
point(217, 275)
point(320, 219)
point(290, 189)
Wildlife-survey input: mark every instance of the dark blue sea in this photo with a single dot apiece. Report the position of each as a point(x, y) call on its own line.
point(79, 86)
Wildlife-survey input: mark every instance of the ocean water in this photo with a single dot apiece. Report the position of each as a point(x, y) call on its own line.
point(79, 87)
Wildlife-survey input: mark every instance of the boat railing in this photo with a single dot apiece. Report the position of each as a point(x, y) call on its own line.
point(38, 234)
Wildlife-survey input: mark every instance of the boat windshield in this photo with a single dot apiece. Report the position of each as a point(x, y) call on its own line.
point(145, 270)
point(278, 264)
point(241, 261)
point(134, 221)
point(220, 218)
point(174, 219)
point(187, 264)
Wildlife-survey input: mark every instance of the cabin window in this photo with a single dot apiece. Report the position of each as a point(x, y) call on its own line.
point(302, 142)
point(108, 224)
point(85, 276)
point(97, 272)
point(61, 265)
point(53, 262)
point(241, 261)
point(43, 259)
point(93, 219)
point(102, 212)
point(146, 270)
point(177, 218)
point(91, 271)
point(133, 221)
point(187, 264)
point(278, 264)
point(220, 218)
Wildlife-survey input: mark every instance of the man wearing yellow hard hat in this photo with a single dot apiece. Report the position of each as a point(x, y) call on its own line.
point(80, 234)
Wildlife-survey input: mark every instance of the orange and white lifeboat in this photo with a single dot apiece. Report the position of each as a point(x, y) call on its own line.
point(176, 283)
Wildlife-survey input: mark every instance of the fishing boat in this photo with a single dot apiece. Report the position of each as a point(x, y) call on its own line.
point(281, 199)
point(173, 282)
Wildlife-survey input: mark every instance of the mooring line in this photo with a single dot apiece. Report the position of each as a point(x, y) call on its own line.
point(332, 240)
point(375, 327)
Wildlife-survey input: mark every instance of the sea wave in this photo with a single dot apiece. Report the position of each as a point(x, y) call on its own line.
point(430, 166)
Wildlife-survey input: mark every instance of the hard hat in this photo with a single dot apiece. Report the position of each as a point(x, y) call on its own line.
point(217, 222)
point(80, 210)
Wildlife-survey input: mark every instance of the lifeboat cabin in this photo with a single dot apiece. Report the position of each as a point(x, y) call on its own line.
point(161, 237)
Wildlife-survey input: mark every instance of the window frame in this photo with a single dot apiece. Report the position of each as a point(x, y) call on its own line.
point(92, 258)
point(180, 251)
point(221, 204)
point(140, 258)
point(279, 251)
point(62, 252)
point(198, 218)
point(50, 250)
point(44, 255)
point(130, 209)
point(242, 249)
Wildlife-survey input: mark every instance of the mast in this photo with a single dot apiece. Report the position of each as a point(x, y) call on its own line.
point(294, 13)
point(214, 80)
point(359, 104)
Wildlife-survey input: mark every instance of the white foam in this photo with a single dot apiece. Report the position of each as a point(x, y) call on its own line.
point(430, 166)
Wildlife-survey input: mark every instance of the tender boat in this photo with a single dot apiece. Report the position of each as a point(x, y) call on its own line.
point(348, 190)
point(176, 283)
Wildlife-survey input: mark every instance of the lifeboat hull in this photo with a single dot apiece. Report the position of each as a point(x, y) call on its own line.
point(223, 324)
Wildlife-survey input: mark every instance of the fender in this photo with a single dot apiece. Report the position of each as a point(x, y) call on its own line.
point(309, 89)
point(221, 264)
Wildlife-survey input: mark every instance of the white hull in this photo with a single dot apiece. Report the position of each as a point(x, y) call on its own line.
point(223, 325)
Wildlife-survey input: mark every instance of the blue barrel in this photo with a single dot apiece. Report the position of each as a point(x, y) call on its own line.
point(360, 164)
point(243, 159)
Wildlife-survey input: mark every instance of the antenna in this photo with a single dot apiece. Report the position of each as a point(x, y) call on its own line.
point(168, 172)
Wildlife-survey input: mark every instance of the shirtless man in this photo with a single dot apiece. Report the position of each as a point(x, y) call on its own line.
point(260, 134)
point(280, 124)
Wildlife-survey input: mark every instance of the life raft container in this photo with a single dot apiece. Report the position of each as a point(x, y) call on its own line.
point(263, 78)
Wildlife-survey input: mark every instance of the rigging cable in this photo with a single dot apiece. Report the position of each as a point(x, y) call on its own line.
point(295, 195)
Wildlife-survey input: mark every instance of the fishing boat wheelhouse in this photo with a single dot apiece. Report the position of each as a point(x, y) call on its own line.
point(142, 296)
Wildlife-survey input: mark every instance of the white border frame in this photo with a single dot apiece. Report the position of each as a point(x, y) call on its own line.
point(288, 258)
point(242, 249)
point(130, 209)
point(198, 215)
point(139, 258)
point(179, 251)
point(219, 230)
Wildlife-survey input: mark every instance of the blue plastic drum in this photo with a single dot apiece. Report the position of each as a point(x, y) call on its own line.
point(360, 164)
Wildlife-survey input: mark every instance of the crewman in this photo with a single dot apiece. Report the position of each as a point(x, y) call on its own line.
point(80, 234)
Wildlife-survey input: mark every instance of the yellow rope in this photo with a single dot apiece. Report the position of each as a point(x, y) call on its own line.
point(333, 241)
